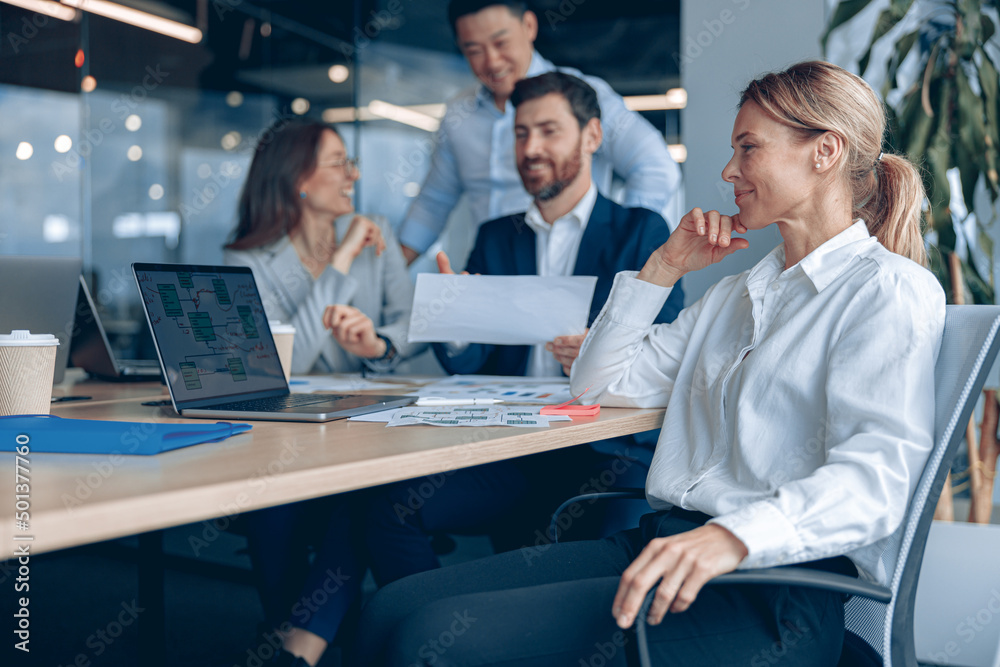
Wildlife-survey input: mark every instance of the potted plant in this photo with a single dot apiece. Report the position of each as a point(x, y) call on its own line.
point(946, 121)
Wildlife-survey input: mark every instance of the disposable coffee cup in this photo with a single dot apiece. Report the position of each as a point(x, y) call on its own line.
point(27, 368)
point(284, 338)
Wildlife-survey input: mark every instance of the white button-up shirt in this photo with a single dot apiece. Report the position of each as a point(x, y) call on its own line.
point(800, 402)
point(556, 248)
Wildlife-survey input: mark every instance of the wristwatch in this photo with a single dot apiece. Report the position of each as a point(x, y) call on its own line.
point(390, 350)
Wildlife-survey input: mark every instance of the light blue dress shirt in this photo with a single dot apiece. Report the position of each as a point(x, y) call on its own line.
point(474, 154)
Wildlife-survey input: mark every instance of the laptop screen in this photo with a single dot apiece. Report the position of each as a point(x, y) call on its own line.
point(210, 330)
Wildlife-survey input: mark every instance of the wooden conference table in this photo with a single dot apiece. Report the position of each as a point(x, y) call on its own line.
point(78, 499)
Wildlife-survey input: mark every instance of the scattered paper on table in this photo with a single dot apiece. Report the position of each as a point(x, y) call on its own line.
point(524, 416)
point(503, 310)
point(307, 384)
point(511, 390)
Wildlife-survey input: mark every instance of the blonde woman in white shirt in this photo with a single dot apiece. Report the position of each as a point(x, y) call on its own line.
point(800, 402)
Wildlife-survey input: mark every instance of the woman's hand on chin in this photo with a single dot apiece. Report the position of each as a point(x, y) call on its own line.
point(361, 234)
point(701, 239)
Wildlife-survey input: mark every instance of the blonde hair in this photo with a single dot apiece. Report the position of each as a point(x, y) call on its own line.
point(888, 193)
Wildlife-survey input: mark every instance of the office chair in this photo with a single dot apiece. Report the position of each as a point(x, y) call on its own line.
point(879, 620)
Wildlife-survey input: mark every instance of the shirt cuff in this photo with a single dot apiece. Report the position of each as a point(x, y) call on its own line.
point(635, 303)
point(770, 538)
point(415, 236)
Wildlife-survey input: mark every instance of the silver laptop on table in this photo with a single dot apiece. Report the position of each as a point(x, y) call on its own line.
point(216, 350)
point(91, 350)
point(39, 294)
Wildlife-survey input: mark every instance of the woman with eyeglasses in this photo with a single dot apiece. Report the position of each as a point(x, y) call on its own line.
point(341, 280)
point(337, 276)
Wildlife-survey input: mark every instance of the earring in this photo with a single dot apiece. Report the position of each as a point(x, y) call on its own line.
point(302, 193)
point(817, 166)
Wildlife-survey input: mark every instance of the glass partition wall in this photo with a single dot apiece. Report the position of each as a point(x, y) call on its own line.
point(120, 143)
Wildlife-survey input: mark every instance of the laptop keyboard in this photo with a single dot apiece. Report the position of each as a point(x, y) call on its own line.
point(276, 403)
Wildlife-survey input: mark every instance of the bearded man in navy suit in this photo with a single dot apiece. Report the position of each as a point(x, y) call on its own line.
point(570, 229)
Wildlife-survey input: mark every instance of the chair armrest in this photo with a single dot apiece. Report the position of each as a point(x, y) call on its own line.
point(620, 493)
point(808, 577)
point(781, 576)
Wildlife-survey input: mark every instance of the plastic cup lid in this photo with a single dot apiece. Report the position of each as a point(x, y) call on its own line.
point(24, 338)
point(279, 327)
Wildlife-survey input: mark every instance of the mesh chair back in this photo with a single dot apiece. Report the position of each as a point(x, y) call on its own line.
point(968, 349)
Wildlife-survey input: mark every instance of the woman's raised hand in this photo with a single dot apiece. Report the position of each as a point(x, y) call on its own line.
point(700, 239)
point(362, 233)
point(354, 331)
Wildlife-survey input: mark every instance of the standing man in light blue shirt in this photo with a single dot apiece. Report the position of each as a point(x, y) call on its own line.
point(474, 151)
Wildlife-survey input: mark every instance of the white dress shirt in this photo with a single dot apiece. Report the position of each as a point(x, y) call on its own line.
point(556, 248)
point(800, 402)
point(474, 156)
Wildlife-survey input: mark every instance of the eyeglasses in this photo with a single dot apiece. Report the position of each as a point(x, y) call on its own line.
point(349, 164)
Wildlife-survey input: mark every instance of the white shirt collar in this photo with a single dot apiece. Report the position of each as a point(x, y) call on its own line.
point(579, 214)
point(823, 264)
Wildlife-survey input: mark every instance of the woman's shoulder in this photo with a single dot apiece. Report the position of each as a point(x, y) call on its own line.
point(891, 270)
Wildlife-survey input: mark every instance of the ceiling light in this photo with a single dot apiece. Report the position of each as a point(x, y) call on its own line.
point(404, 115)
point(88, 84)
point(338, 73)
point(134, 153)
point(139, 19)
point(155, 191)
point(231, 140)
point(63, 143)
point(24, 151)
point(234, 98)
point(655, 102)
point(53, 9)
point(133, 122)
point(300, 105)
point(678, 152)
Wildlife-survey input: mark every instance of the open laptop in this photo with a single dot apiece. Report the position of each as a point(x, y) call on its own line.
point(91, 350)
point(39, 294)
point(217, 353)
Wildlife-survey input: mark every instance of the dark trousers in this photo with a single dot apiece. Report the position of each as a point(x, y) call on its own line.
point(511, 501)
point(307, 563)
point(551, 605)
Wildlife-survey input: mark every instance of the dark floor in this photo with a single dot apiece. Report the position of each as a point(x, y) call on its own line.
point(83, 605)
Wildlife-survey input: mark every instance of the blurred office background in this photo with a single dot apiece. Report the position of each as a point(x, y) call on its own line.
point(121, 144)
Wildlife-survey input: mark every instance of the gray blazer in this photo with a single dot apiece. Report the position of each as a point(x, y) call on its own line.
point(380, 287)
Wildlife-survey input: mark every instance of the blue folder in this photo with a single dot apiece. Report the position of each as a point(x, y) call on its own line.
point(48, 433)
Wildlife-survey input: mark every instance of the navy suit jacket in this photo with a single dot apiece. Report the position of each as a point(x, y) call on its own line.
point(616, 239)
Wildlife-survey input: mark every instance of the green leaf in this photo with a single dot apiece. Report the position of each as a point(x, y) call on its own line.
point(902, 47)
point(970, 150)
point(845, 11)
point(976, 287)
point(989, 83)
point(987, 27)
point(916, 127)
point(938, 155)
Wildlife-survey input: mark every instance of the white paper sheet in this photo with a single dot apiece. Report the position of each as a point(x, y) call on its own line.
point(345, 382)
point(503, 310)
point(521, 416)
point(508, 389)
point(526, 417)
